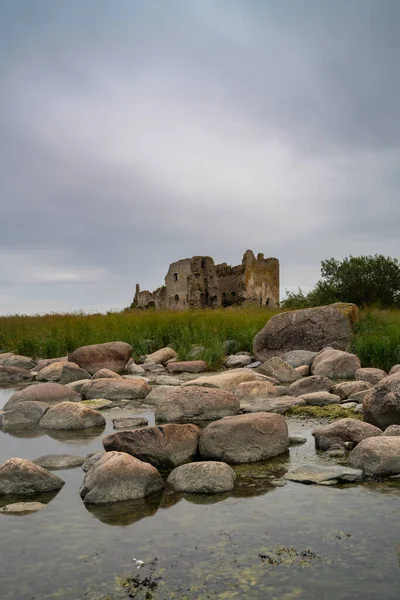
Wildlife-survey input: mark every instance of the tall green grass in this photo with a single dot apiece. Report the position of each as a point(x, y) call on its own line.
point(54, 335)
point(377, 339)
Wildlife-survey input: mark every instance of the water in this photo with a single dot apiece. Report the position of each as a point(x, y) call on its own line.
point(259, 542)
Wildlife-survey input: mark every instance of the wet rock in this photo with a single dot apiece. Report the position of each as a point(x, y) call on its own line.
point(118, 476)
point(208, 477)
point(321, 399)
point(251, 390)
point(165, 447)
point(71, 415)
point(106, 374)
point(377, 456)
point(111, 355)
point(133, 369)
point(274, 405)
point(306, 329)
point(234, 361)
point(225, 381)
point(161, 357)
point(62, 372)
point(22, 508)
point(381, 404)
point(98, 403)
point(244, 438)
point(129, 422)
point(324, 474)
point(335, 364)
point(370, 375)
point(59, 461)
point(192, 403)
point(308, 385)
point(22, 477)
point(348, 388)
point(277, 368)
point(13, 374)
point(116, 389)
point(295, 440)
point(188, 366)
point(23, 413)
point(392, 430)
point(299, 358)
point(49, 393)
point(344, 430)
point(21, 362)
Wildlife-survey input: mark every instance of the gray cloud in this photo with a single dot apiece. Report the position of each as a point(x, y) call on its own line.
point(136, 133)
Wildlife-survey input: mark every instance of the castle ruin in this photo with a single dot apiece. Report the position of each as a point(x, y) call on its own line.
point(199, 283)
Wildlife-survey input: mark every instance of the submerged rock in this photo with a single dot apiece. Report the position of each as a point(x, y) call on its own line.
point(59, 461)
point(129, 422)
point(22, 477)
point(22, 508)
point(208, 477)
point(325, 475)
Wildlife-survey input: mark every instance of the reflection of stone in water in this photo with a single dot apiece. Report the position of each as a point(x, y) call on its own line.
point(75, 436)
point(206, 498)
point(14, 498)
point(397, 552)
point(24, 431)
point(127, 512)
point(169, 498)
point(254, 479)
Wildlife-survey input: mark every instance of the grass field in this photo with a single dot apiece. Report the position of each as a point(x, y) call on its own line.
point(377, 340)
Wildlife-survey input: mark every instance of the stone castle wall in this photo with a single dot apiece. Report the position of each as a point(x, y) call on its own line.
point(199, 283)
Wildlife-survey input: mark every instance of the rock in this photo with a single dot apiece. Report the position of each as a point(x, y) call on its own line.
point(59, 461)
point(306, 329)
point(4, 356)
point(234, 361)
point(299, 358)
point(394, 369)
point(62, 372)
point(129, 422)
point(77, 385)
point(49, 393)
point(116, 389)
point(98, 403)
point(165, 380)
point(230, 347)
point(370, 375)
point(377, 456)
point(118, 476)
point(22, 477)
point(22, 508)
point(308, 385)
point(165, 447)
point(392, 430)
point(295, 440)
point(358, 409)
point(91, 460)
point(358, 396)
point(304, 370)
point(21, 362)
point(159, 393)
point(23, 413)
point(349, 405)
point(133, 369)
point(321, 399)
point(347, 388)
point(106, 374)
point(225, 381)
point(254, 365)
point(244, 438)
point(71, 415)
point(277, 368)
point(161, 357)
point(12, 374)
point(111, 355)
point(153, 368)
point(188, 366)
point(275, 405)
point(335, 364)
point(45, 362)
point(324, 474)
point(208, 477)
point(344, 430)
point(336, 452)
point(194, 403)
point(381, 404)
point(252, 390)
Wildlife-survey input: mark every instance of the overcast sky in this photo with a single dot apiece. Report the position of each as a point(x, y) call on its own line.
point(137, 132)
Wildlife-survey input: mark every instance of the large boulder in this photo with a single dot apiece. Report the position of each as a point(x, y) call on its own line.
point(62, 372)
point(344, 430)
point(225, 381)
point(116, 389)
point(71, 415)
point(381, 404)
point(22, 477)
point(165, 447)
point(23, 413)
point(245, 438)
point(278, 369)
point(118, 476)
point(49, 393)
point(335, 364)
point(370, 375)
point(188, 366)
point(13, 374)
point(377, 456)
point(306, 329)
point(193, 403)
point(308, 385)
point(207, 477)
point(111, 355)
point(161, 357)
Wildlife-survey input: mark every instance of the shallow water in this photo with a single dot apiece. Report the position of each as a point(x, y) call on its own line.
point(259, 542)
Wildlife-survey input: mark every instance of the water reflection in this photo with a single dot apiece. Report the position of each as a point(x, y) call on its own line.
point(79, 437)
point(11, 498)
point(127, 512)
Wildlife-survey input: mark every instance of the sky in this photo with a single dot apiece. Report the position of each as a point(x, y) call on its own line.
point(138, 132)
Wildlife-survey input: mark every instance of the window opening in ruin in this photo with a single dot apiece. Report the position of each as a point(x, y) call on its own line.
point(176, 298)
point(203, 263)
point(175, 276)
point(224, 294)
point(267, 302)
point(233, 294)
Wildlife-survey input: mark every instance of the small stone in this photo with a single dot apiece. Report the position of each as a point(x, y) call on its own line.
point(295, 440)
point(22, 508)
point(98, 403)
point(324, 474)
point(129, 422)
point(52, 462)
